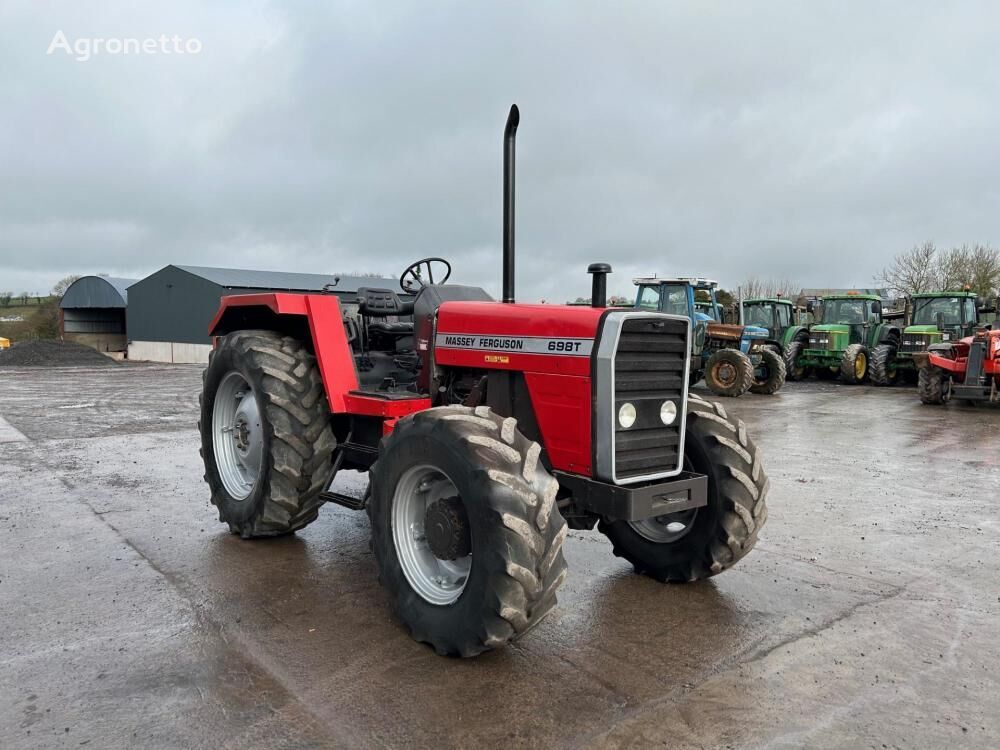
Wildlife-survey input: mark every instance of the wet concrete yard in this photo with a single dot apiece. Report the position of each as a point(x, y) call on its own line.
point(867, 616)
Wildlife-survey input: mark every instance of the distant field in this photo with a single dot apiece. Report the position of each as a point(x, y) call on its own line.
point(25, 311)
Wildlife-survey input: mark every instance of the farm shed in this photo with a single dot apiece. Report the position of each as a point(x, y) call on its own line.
point(93, 312)
point(170, 310)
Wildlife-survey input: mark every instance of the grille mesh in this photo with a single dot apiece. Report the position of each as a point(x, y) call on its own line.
point(649, 369)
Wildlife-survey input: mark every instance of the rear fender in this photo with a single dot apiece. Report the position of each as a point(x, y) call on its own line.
point(315, 319)
point(792, 333)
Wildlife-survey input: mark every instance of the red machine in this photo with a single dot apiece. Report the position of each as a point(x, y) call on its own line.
point(487, 429)
point(968, 369)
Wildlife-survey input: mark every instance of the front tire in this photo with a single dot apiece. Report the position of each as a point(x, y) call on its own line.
point(793, 371)
point(854, 365)
point(690, 546)
point(883, 370)
point(487, 571)
point(266, 439)
point(933, 385)
point(729, 373)
point(773, 378)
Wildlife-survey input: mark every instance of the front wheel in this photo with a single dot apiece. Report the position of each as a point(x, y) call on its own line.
point(793, 370)
point(934, 385)
point(884, 365)
point(854, 365)
point(729, 372)
point(771, 373)
point(265, 429)
point(699, 543)
point(465, 530)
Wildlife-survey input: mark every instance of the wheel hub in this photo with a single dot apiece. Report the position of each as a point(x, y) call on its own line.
point(446, 528)
point(725, 373)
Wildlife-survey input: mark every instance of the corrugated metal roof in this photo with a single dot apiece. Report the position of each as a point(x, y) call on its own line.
point(97, 291)
point(236, 278)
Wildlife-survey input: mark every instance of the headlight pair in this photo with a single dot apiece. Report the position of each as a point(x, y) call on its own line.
point(627, 414)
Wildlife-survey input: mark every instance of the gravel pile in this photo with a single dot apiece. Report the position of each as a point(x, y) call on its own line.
point(51, 354)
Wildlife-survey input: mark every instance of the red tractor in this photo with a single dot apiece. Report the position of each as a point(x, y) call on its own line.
point(487, 429)
point(968, 369)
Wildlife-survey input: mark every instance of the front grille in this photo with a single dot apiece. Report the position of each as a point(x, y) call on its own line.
point(649, 368)
point(819, 340)
point(914, 342)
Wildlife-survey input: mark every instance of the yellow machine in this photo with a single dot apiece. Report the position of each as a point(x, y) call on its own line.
point(4, 343)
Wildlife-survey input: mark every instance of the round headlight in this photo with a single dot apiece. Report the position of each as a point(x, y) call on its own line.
point(668, 412)
point(626, 415)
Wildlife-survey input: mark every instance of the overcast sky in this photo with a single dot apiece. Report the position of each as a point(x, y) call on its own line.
point(804, 140)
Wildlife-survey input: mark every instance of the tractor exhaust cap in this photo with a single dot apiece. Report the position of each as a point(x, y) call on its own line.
point(599, 284)
point(509, 133)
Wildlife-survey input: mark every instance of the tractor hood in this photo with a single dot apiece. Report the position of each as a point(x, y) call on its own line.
point(921, 329)
point(755, 332)
point(830, 328)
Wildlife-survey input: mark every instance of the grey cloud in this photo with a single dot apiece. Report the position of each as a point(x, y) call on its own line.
point(803, 140)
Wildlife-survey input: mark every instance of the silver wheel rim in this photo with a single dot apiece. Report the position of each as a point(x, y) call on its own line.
point(237, 435)
point(438, 582)
point(665, 529)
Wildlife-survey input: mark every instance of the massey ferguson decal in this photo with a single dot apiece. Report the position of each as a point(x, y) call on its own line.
point(515, 344)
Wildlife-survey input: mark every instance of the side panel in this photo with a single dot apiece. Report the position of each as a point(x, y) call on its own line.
point(563, 411)
point(551, 345)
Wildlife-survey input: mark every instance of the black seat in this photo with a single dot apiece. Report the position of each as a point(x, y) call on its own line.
point(381, 303)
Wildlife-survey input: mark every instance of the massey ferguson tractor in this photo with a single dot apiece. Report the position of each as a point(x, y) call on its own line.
point(733, 359)
point(487, 429)
point(968, 369)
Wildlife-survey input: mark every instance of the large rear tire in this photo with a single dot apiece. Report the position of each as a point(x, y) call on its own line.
point(773, 375)
point(266, 439)
point(729, 373)
point(465, 530)
point(854, 365)
point(933, 385)
point(691, 545)
point(883, 370)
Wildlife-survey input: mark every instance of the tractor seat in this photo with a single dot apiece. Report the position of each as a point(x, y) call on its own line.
point(382, 303)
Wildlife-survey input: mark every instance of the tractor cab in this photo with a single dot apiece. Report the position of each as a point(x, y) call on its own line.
point(940, 316)
point(389, 337)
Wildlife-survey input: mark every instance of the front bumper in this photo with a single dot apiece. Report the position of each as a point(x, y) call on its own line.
point(636, 502)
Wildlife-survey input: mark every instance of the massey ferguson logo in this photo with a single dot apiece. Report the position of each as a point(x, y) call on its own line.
point(516, 344)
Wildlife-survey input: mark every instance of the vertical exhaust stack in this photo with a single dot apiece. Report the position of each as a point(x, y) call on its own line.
point(509, 133)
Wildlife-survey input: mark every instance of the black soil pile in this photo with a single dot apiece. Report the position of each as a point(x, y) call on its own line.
point(52, 354)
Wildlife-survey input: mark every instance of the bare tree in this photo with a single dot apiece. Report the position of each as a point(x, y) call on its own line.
point(976, 267)
point(911, 272)
point(757, 287)
point(63, 284)
point(5, 298)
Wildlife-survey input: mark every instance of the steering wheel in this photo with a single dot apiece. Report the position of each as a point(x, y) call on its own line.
point(413, 278)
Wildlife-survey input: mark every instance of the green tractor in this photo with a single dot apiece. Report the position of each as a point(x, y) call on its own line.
point(935, 318)
point(851, 328)
point(787, 329)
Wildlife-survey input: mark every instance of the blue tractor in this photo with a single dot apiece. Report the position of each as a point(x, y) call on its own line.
point(732, 359)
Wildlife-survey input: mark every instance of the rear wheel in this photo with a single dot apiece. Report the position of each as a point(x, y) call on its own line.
point(729, 372)
point(854, 365)
point(771, 373)
point(883, 370)
point(701, 542)
point(933, 385)
point(794, 371)
point(465, 530)
point(265, 429)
